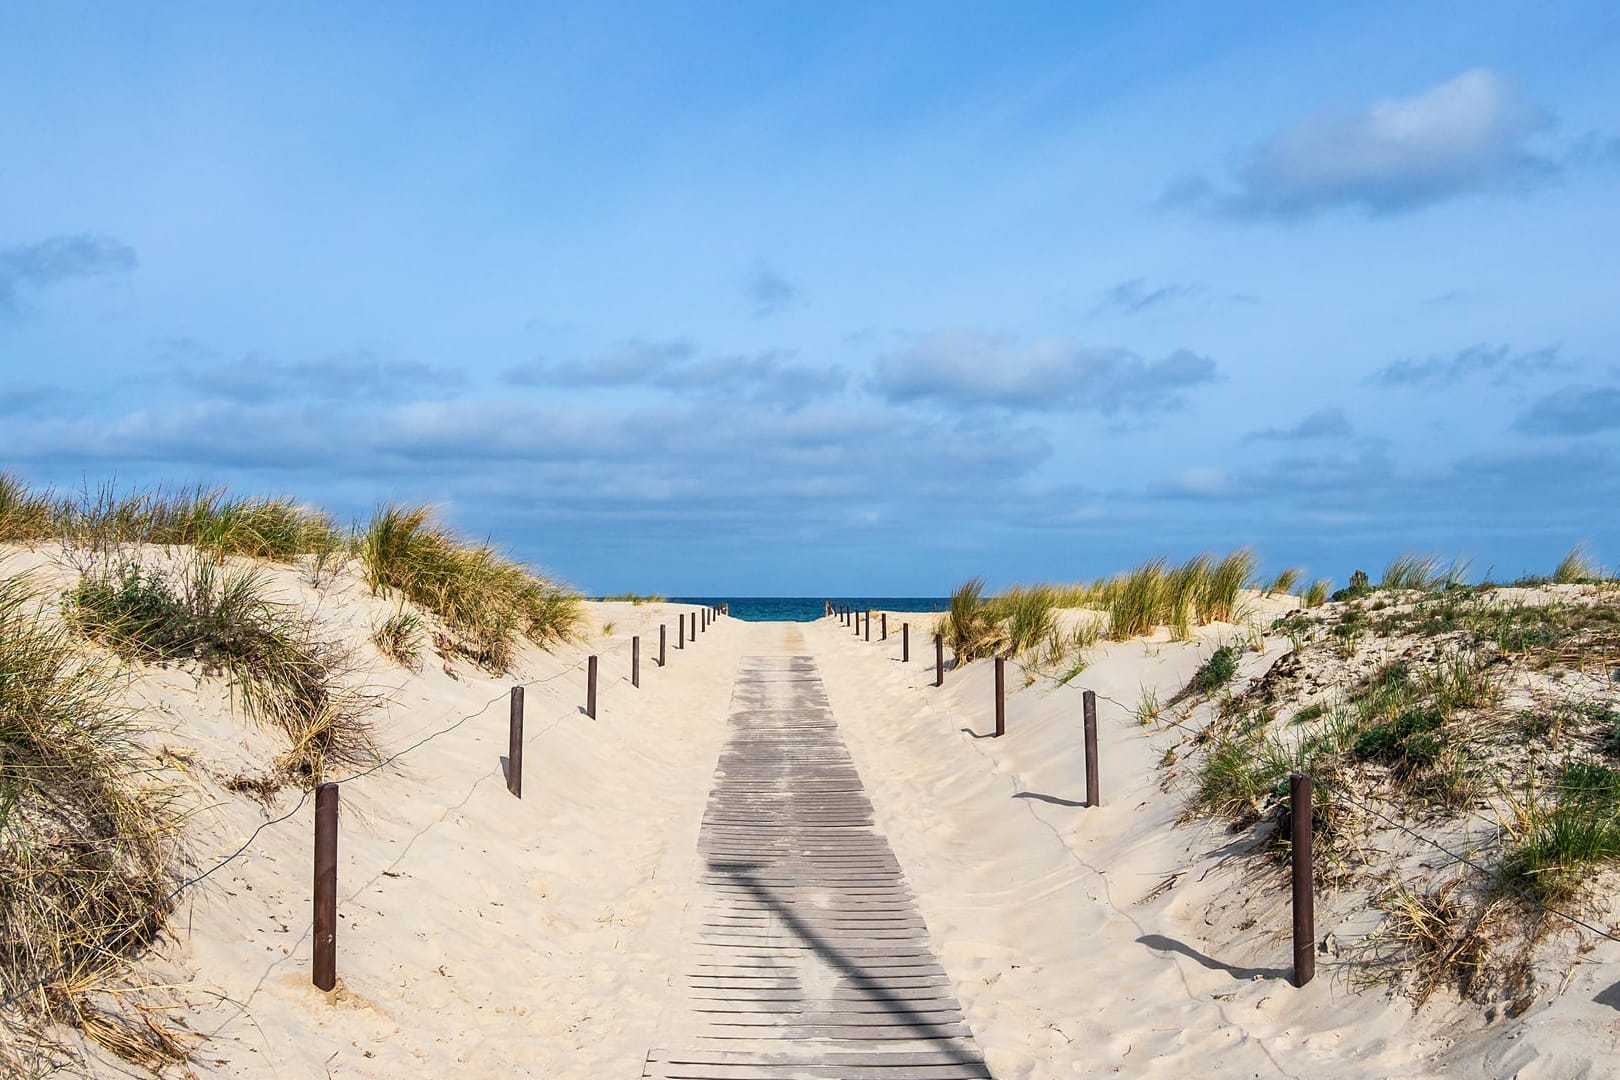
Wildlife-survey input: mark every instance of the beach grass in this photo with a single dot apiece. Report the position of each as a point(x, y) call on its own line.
point(486, 602)
point(201, 610)
point(85, 834)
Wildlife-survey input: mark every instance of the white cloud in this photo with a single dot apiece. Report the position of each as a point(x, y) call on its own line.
point(1470, 133)
point(970, 368)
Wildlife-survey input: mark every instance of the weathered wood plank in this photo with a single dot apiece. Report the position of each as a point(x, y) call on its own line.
point(809, 946)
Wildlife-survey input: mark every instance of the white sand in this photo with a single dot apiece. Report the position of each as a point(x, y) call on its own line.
point(481, 934)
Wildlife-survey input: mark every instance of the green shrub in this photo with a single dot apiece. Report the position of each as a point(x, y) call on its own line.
point(1217, 671)
point(1405, 741)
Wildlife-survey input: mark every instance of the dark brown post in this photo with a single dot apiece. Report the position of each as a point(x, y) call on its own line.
point(939, 659)
point(1093, 794)
point(590, 687)
point(905, 643)
point(514, 746)
point(868, 624)
point(324, 974)
point(635, 661)
point(680, 632)
point(883, 625)
point(1299, 808)
point(1001, 696)
point(663, 640)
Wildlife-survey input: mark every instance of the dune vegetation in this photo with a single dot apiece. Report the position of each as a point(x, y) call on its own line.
point(283, 674)
point(196, 578)
point(86, 835)
point(486, 602)
point(1023, 621)
point(1489, 713)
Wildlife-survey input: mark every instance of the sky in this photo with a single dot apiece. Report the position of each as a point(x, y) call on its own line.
point(832, 298)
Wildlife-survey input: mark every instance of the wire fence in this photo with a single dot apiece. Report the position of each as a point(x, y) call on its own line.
point(106, 946)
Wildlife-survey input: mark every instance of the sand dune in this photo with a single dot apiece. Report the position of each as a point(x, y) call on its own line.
point(544, 936)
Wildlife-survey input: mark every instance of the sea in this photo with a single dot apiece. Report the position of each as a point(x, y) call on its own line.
point(811, 608)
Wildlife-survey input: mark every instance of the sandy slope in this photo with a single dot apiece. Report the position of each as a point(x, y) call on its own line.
point(1115, 941)
point(481, 934)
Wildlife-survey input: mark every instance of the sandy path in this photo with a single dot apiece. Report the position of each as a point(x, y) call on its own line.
point(479, 934)
point(809, 958)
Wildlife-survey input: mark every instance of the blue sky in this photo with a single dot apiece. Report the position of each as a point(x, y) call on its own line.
point(832, 298)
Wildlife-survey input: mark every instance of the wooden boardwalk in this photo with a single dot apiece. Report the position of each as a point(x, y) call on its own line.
point(810, 958)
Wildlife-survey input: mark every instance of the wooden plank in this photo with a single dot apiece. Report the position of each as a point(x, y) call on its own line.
point(810, 946)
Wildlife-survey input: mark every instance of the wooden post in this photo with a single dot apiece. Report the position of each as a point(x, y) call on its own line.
point(905, 643)
point(663, 640)
point(883, 625)
point(868, 624)
point(939, 659)
point(590, 687)
point(635, 661)
point(514, 745)
point(324, 973)
point(1299, 808)
point(1001, 696)
point(680, 632)
point(1093, 792)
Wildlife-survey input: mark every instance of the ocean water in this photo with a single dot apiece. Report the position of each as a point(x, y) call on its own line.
point(809, 608)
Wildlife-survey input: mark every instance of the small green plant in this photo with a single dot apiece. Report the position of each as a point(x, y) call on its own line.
point(1317, 594)
point(1408, 742)
point(1285, 581)
point(635, 598)
point(1461, 680)
point(1232, 780)
point(1578, 567)
point(1148, 707)
point(608, 628)
point(1309, 713)
point(1557, 841)
point(399, 637)
point(1217, 671)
